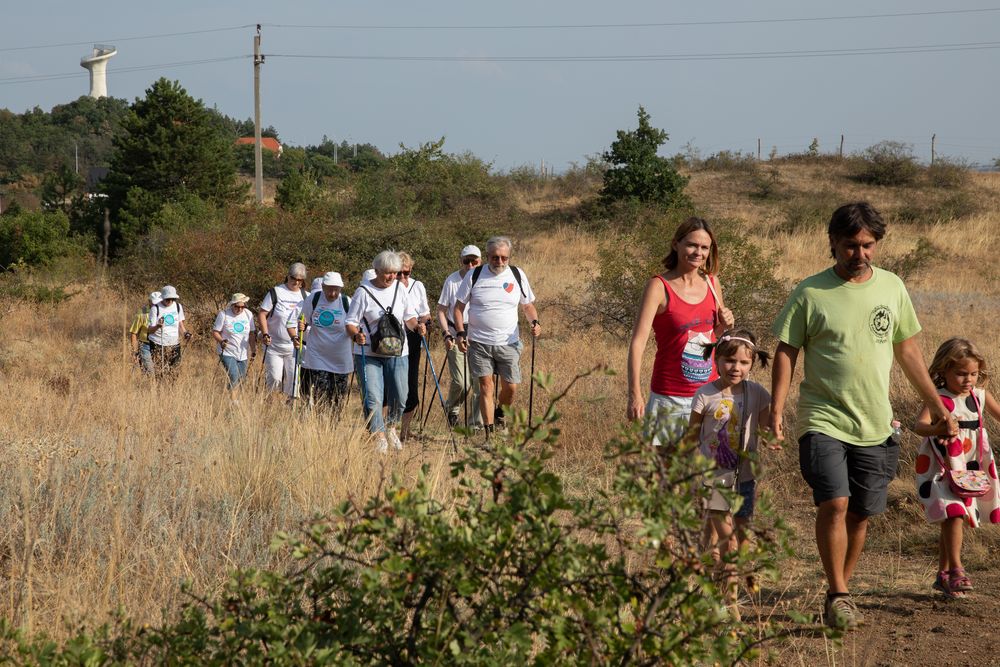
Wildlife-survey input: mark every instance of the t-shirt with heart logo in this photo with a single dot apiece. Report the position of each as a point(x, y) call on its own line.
point(492, 305)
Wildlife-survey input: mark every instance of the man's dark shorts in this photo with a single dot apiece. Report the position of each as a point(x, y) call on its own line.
point(836, 469)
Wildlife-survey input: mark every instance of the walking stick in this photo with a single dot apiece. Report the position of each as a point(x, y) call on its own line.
point(465, 389)
point(427, 414)
point(437, 385)
point(297, 376)
point(531, 387)
point(423, 395)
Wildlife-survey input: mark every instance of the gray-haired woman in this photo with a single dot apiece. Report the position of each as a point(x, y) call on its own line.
point(379, 311)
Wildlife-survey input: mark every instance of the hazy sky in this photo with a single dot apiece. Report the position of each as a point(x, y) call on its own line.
point(515, 112)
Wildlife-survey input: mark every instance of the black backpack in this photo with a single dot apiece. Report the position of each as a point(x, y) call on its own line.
point(343, 300)
point(476, 272)
point(389, 338)
point(273, 293)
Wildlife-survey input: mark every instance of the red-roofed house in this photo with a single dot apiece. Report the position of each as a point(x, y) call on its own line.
point(268, 143)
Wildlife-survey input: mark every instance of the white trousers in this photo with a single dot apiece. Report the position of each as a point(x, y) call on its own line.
point(279, 370)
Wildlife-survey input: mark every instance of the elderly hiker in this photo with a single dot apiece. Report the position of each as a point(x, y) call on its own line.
point(469, 259)
point(139, 339)
point(417, 294)
point(165, 330)
point(279, 353)
point(493, 343)
point(851, 320)
point(327, 361)
point(235, 337)
point(683, 307)
point(380, 310)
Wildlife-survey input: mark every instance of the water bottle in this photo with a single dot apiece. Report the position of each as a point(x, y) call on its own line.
point(897, 431)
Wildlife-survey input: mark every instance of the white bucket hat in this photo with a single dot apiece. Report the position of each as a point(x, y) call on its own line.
point(155, 297)
point(168, 292)
point(238, 297)
point(332, 279)
point(316, 284)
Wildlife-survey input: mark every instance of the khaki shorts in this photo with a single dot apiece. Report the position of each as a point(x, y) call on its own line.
point(503, 360)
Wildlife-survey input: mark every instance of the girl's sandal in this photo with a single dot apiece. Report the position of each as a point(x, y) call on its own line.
point(958, 581)
point(942, 583)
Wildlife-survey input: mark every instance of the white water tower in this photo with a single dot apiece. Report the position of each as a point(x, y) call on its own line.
point(97, 63)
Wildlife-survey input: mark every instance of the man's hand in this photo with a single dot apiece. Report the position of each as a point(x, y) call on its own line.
point(776, 426)
point(536, 328)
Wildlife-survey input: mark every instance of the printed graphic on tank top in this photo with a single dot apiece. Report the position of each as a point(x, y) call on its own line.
point(694, 366)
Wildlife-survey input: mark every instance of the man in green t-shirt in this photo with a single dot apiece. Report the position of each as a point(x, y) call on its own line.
point(851, 321)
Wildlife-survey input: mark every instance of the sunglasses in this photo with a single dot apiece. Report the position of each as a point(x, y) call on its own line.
point(500, 258)
point(405, 273)
point(469, 260)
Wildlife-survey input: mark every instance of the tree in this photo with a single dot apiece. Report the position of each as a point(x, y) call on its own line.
point(58, 189)
point(636, 172)
point(169, 146)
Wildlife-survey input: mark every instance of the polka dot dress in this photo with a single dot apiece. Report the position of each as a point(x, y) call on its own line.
point(962, 453)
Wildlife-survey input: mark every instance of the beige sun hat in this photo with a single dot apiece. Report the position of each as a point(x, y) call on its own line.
point(238, 297)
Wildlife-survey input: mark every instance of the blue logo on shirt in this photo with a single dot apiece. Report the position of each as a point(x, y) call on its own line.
point(238, 327)
point(169, 320)
point(326, 318)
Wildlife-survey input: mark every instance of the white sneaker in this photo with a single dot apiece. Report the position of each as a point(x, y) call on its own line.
point(381, 444)
point(394, 439)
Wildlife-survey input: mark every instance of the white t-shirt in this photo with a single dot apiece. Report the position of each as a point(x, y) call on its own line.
point(169, 333)
point(363, 307)
point(492, 305)
point(447, 299)
point(418, 296)
point(287, 300)
point(235, 330)
point(328, 347)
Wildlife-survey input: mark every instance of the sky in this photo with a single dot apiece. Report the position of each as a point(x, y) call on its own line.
point(516, 95)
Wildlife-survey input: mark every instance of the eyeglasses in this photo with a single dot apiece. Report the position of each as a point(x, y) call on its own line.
point(298, 280)
point(405, 273)
point(500, 258)
point(239, 305)
point(470, 260)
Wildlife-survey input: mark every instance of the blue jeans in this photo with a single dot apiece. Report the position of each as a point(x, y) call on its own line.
point(236, 370)
point(382, 380)
point(145, 358)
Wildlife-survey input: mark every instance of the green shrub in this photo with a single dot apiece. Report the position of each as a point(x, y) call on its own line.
point(886, 163)
point(34, 238)
point(936, 208)
point(913, 261)
point(636, 172)
point(946, 173)
point(508, 569)
point(735, 161)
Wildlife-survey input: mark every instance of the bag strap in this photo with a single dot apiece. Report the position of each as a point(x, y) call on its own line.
point(718, 302)
point(345, 302)
point(273, 293)
point(979, 414)
point(478, 271)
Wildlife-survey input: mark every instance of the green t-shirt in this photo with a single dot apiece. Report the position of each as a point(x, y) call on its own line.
point(847, 331)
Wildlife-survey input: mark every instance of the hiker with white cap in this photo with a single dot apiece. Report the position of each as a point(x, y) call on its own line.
point(165, 329)
point(236, 338)
point(379, 312)
point(458, 365)
point(279, 353)
point(327, 360)
point(418, 296)
point(139, 338)
point(492, 294)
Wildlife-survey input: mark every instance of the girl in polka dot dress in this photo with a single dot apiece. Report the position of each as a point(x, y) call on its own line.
point(957, 368)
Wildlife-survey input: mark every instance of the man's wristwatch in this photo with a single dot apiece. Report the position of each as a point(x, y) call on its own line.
point(461, 334)
point(535, 322)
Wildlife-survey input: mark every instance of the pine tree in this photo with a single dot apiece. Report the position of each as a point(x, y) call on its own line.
point(637, 172)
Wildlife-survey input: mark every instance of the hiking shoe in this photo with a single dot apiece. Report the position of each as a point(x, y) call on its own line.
point(841, 612)
point(499, 419)
point(394, 440)
point(452, 420)
point(381, 444)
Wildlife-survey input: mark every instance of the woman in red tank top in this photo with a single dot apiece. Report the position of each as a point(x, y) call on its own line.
point(684, 309)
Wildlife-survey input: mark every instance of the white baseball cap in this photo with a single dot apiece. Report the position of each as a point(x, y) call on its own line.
point(332, 279)
point(471, 250)
point(155, 297)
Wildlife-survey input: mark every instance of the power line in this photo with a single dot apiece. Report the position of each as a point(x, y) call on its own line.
point(118, 70)
point(128, 39)
point(664, 24)
point(746, 55)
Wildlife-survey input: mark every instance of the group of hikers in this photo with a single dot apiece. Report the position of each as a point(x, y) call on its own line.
point(314, 340)
point(849, 322)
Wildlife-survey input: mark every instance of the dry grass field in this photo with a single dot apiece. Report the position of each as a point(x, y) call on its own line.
point(117, 488)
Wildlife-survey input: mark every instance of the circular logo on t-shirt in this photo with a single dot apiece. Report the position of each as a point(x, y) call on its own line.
point(326, 318)
point(169, 320)
point(880, 322)
point(238, 327)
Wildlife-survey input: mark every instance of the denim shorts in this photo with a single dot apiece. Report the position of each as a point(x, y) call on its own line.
point(667, 417)
point(837, 469)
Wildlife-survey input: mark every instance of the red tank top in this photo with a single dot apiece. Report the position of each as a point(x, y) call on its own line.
point(681, 331)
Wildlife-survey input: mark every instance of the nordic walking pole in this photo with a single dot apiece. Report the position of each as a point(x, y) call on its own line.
point(437, 385)
point(427, 414)
point(423, 396)
point(466, 386)
point(297, 376)
point(531, 387)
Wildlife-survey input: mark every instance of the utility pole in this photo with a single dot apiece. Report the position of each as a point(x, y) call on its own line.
point(258, 166)
point(933, 141)
point(841, 151)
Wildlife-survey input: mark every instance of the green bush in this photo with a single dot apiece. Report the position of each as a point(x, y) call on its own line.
point(939, 207)
point(913, 261)
point(508, 569)
point(735, 161)
point(945, 173)
point(34, 238)
point(886, 163)
point(636, 172)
